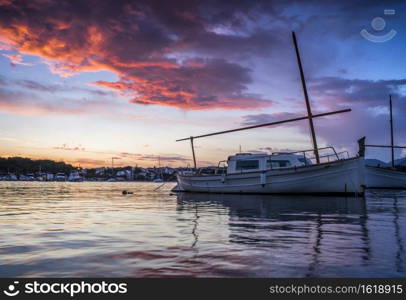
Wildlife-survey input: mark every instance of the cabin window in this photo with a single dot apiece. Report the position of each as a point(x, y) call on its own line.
point(274, 164)
point(247, 164)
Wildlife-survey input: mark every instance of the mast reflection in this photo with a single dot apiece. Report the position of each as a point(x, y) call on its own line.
point(316, 227)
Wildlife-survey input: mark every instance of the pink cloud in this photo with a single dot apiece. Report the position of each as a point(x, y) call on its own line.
point(67, 148)
point(16, 59)
point(128, 40)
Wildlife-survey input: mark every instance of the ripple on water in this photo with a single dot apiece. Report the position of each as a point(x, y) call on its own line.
point(54, 229)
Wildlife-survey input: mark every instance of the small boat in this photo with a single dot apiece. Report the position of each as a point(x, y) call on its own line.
point(386, 176)
point(285, 173)
point(60, 177)
point(159, 176)
point(75, 177)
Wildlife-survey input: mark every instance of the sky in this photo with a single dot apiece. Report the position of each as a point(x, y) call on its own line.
point(95, 82)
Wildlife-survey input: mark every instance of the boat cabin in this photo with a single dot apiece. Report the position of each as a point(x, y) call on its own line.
point(252, 162)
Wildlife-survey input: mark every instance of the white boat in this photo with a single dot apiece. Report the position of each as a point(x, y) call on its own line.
point(278, 174)
point(385, 178)
point(75, 177)
point(60, 177)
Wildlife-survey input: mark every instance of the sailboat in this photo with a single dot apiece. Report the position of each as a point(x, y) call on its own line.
point(278, 173)
point(386, 177)
point(159, 177)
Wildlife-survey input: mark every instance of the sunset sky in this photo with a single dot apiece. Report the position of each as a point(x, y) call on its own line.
point(85, 81)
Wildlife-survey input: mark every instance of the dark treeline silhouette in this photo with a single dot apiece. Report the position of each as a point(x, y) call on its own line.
point(21, 165)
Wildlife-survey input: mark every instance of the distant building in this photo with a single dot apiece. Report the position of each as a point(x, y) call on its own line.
point(100, 171)
point(49, 176)
point(75, 176)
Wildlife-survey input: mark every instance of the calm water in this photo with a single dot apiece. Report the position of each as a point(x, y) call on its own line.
point(91, 229)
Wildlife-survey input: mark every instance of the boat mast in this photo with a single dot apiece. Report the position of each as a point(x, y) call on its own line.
point(309, 117)
point(263, 125)
point(391, 131)
point(308, 107)
point(193, 151)
point(392, 145)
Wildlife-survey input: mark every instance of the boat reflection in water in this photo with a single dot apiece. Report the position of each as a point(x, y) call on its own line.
point(280, 235)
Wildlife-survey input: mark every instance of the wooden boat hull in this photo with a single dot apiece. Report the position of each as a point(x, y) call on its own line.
point(385, 178)
point(338, 177)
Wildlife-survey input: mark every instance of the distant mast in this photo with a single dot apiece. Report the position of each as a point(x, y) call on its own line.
point(391, 131)
point(308, 107)
point(392, 144)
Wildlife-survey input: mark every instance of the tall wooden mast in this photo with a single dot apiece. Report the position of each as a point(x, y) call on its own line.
point(308, 107)
point(309, 117)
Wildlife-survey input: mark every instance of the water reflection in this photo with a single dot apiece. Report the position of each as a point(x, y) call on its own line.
point(91, 229)
point(325, 232)
point(399, 242)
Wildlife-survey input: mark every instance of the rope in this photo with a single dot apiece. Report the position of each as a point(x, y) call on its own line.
point(157, 188)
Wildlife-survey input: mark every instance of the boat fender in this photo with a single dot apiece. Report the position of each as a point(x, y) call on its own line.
point(263, 179)
point(223, 178)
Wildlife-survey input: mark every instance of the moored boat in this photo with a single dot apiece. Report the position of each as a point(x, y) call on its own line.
point(384, 178)
point(293, 174)
point(279, 174)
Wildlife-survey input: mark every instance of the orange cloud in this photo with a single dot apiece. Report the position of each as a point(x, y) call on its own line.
point(127, 40)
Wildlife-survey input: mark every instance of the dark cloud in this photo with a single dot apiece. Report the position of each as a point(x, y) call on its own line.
point(151, 45)
point(191, 54)
point(267, 118)
point(369, 102)
point(337, 91)
point(35, 86)
point(28, 103)
point(136, 40)
point(197, 84)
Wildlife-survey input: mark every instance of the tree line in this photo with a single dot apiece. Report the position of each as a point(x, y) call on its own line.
point(21, 165)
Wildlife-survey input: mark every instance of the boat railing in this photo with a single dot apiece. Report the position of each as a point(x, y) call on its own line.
point(213, 170)
point(344, 152)
point(335, 154)
point(224, 162)
point(207, 171)
point(221, 169)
